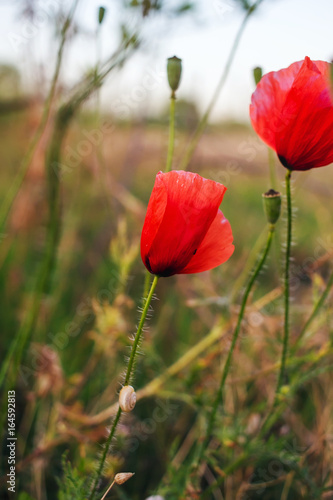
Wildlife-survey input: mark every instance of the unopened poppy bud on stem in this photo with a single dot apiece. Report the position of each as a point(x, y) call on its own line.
point(119, 479)
point(257, 74)
point(122, 477)
point(101, 14)
point(272, 205)
point(174, 70)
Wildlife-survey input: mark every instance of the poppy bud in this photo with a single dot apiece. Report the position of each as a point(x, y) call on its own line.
point(174, 70)
point(257, 74)
point(122, 477)
point(272, 205)
point(101, 14)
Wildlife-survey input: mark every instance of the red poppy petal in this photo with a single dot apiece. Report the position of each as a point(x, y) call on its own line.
point(191, 207)
point(215, 248)
point(305, 138)
point(154, 215)
point(292, 111)
point(268, 100)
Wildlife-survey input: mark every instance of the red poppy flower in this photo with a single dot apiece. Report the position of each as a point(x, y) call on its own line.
point(292, 111)
point(184, 231)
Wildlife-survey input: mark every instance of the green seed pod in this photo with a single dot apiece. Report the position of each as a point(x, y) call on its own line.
point(272, 205)
point(257, 74)
point(101, 14)
point(174, 69)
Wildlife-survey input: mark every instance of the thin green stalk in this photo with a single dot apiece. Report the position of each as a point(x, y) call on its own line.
point(272, 169)
point(171, 133)
point(286, 288)
point(219, 395)
point(203, 122)
point(17, 183)
point(239, 283)
point(315, 311)
point(126, 382)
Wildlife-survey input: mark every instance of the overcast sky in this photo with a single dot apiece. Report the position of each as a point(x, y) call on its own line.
point(281, 32)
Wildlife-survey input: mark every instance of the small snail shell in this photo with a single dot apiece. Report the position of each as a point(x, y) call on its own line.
point(127, 398)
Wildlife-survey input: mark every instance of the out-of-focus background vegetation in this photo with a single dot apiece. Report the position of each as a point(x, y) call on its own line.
point(72, 364)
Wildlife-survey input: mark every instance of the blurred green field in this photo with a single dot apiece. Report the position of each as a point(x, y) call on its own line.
point(91, 310)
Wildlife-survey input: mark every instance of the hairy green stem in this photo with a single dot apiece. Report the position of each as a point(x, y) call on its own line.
point(219, 395)
point(286, 288)
point(105, 453)
point(126, 382)
point(203, 122)
point(171, 133)
point(139, 331)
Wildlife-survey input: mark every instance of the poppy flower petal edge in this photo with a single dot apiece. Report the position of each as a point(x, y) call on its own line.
point(216, 248)
point(154, 216)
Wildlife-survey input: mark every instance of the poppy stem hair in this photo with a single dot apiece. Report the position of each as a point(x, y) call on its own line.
point(139, 331)
point(286, 289)
point(219, 395)
point(105, 453)
point(126, 382)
